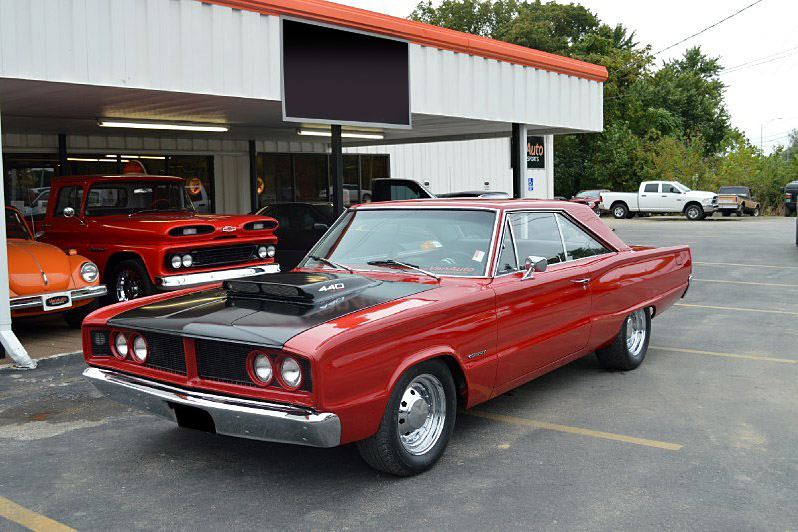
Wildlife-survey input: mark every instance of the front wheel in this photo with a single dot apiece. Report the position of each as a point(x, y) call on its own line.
point(129, 281)
point(756, 212)
point(694, 212)
point(629, 348)
point(620, 211)
point(417, 422)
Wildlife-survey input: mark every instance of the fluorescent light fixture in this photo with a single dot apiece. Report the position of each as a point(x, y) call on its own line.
point(346, 133)
point(156, 157)
point(163, 125)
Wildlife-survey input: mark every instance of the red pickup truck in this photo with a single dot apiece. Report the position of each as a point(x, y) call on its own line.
point(143, 233)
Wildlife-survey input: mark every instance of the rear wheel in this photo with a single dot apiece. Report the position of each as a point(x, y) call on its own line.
point(620, 210)
point(756, 212)
point(726, 214)
point(417, 422)
point(740, 211)
point(629, 348)
point(130, 280)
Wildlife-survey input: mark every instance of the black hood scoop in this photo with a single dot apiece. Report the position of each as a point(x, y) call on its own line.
point(298, 287)
point(268, 309)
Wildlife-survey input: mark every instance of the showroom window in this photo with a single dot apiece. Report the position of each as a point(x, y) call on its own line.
point(306, 177)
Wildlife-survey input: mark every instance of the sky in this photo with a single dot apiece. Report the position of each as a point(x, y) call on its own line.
point(761, 98)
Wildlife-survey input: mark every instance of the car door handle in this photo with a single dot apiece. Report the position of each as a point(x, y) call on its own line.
point(583, 282)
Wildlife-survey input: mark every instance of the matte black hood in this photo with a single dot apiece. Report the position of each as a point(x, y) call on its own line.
point(268, 309)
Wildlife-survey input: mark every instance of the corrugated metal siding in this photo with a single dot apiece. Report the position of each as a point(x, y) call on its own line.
point(188, 46)
point(451, 166)
point(174, 45)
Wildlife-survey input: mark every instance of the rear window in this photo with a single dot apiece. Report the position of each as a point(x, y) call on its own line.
point(739, 191)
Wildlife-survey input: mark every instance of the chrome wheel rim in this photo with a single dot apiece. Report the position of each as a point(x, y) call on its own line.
point(128, 285)
point(422, 414)
point(636, 332)
point(692, 212)
point(619, 212)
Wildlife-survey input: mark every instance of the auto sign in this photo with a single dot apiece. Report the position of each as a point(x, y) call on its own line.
point(228, 228)
point(56, 301)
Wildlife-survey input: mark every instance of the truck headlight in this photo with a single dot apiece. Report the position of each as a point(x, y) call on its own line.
point(89, 272)
point(177, 261)
point(266, 252)
point(290, 373)
point(188, 260)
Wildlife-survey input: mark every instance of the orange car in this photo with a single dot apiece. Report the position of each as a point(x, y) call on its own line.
point(43, 279)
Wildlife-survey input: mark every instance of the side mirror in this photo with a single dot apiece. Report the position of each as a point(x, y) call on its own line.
point(320, 227)
point(69, 212)
point(534, 264)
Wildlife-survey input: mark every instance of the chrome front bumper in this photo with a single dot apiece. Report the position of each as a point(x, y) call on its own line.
point(245, 418)
point(90, 292)
point(192, 279)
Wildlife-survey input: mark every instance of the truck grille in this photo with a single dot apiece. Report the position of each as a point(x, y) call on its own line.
point(166, 353)
point(227, 362)
point(223, 254)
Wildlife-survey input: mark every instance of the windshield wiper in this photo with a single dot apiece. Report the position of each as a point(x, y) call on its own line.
point(391, 262)
point(328, 262)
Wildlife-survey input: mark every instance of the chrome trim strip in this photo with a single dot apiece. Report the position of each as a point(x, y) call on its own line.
point(190, 279)
point(244, 418)
point(77, 295)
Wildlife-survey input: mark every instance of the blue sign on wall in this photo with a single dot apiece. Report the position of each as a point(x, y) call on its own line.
point(530, 183)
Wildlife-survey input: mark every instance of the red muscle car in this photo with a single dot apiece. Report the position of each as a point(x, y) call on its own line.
point(400, 312)
point(143, 233)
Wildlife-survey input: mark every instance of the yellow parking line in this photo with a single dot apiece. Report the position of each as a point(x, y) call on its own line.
point(575, 430)
point(739, 309)
point(729, 355)
point(783, 285)
point(28, 518)
point(748, 265)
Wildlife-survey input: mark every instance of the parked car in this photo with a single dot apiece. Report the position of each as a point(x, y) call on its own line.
point(143, 233)
point(790, 197)
point(661, 197)
point(300, 226)
point(350, 194)
point(400, 313)
point(737, 200)
point(42, 279)
point(394, 188)
point(591, 198)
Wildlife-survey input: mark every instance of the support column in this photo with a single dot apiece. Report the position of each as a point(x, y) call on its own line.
point(518, 159)
point(62, 155)
point(8, 339)
point(337, 160)
point(253, 176)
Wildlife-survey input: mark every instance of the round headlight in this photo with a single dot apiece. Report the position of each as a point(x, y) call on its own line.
point(187, 261)
point(262, 372)
point(177, 262)
point(290, 373)
point(270, 251)
point(140, 351)
point(263, 252)
point(89, 272)
point(120, 345)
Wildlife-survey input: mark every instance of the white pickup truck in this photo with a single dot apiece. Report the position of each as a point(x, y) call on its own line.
point(660, 197)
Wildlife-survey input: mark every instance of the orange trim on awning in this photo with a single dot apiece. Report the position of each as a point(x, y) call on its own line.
point(419, 33)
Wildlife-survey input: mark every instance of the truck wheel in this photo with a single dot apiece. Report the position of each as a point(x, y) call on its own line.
point(629, 348)
point(417, 422)
point(129, 281)
point(694, 212)
point(620, 211)
point(74, 317)
point(726, 214)
point(740, 211)
point(756, 212)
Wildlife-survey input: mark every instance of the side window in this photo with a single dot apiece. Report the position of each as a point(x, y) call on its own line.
point(68, 197)
point(652, 187)
point(579, 244)
point(279, 213)
point(670, 189)
point(508, 262)
point(536, 234)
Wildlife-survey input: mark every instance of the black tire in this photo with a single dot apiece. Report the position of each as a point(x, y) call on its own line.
point(694, 212)
point(130, 280)
point(617, 355)
point(726, 214)
point(74, 318)
point(385, 451)
point(756, 212)
point(740, 211)
point(620, 211)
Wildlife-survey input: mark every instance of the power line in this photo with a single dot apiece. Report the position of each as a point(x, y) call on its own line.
point(761, 58)
point(739, 67)
point(709, 27)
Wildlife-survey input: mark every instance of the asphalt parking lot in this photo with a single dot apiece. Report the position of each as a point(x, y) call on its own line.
point(701, 436)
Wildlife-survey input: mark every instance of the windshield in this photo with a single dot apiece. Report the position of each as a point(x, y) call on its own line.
point(15, 227)
point(684, 188)
point(441, 241)
point(130, 197)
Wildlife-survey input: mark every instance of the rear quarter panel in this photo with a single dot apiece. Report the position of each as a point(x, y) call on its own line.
point(630, 280)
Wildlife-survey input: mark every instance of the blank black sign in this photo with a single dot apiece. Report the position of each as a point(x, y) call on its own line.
point(334, 75)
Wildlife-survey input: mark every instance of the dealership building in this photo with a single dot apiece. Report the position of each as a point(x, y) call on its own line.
point(268, 101)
